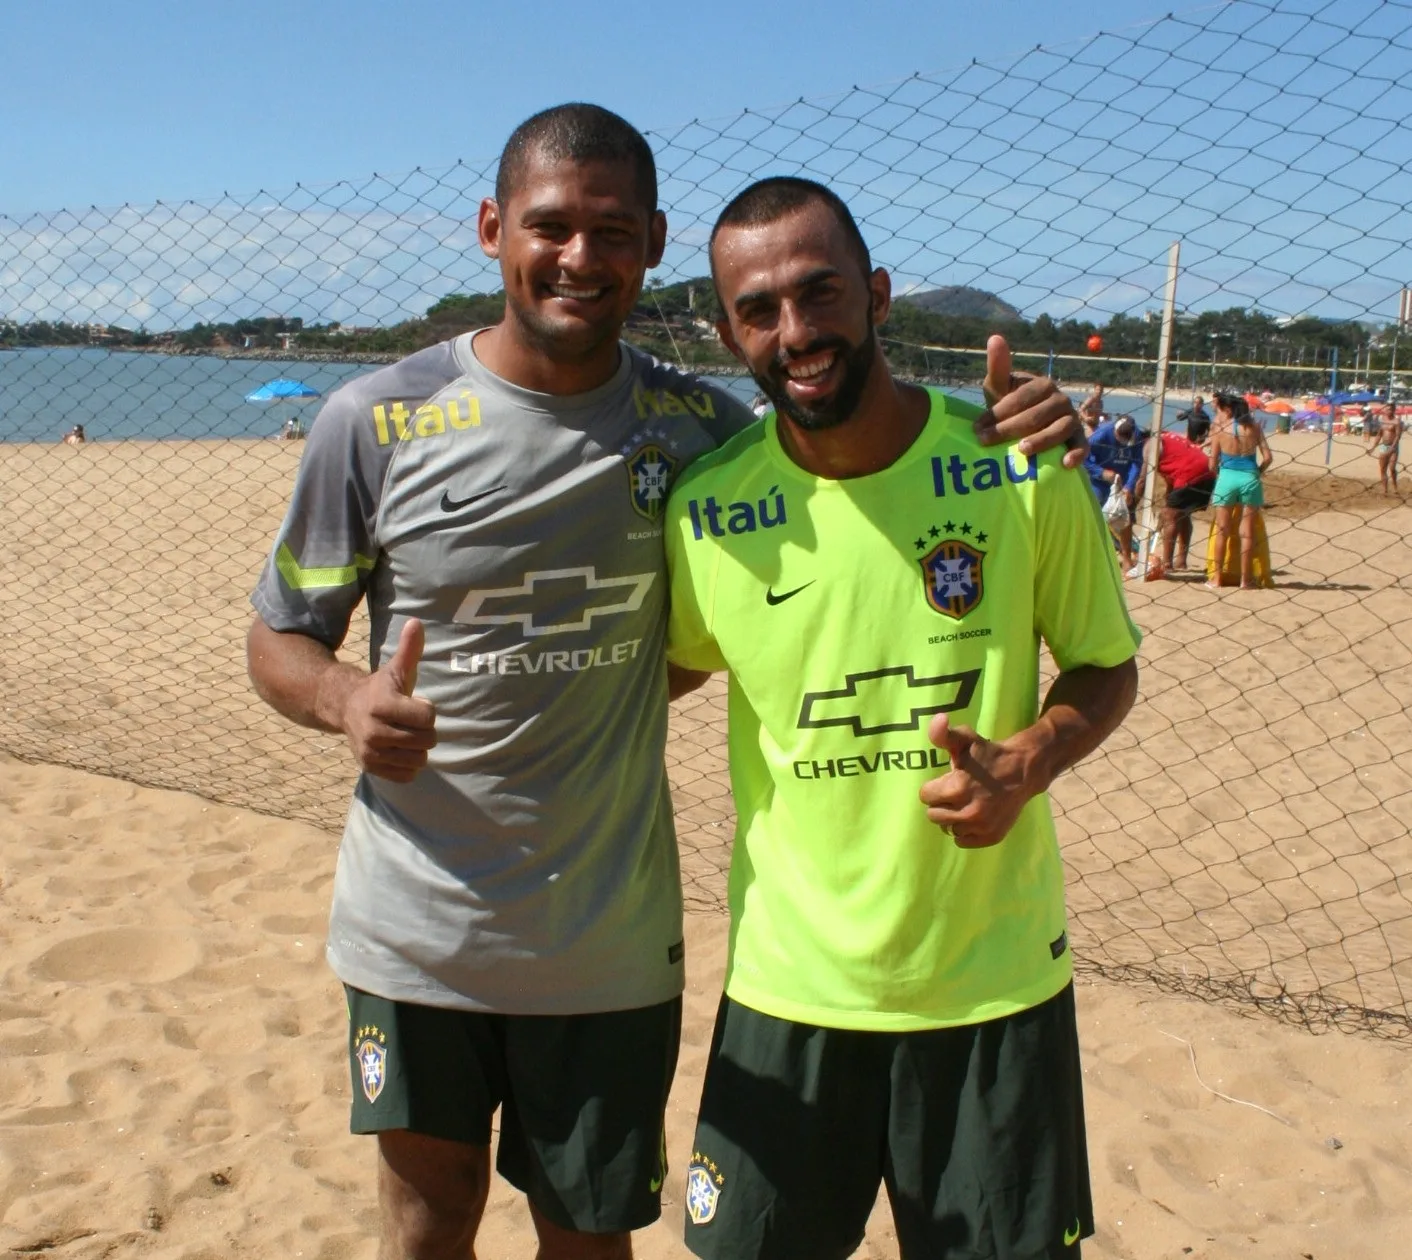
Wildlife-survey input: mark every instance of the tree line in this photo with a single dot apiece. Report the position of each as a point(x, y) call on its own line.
point(676, 323)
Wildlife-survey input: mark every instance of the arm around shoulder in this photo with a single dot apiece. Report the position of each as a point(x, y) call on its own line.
point(682, 682)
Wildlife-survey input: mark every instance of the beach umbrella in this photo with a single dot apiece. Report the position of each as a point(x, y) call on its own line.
point(282, 392)
point(1279, 407)
point(1253, 401)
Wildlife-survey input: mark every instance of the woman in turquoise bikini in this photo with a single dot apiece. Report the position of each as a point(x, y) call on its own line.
point(1239, 457)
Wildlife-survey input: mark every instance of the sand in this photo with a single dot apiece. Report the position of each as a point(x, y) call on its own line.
point(175, 1085)
point(174, 1080)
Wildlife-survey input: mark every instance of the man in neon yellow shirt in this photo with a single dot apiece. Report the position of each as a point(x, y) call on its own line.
point(899, 999)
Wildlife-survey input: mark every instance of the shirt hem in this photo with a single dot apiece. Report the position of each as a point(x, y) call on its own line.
point(900, 1021)
point(428, 992)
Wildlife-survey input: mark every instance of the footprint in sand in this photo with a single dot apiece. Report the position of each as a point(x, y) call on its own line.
point(130, 954)
point(204, 883)
point(209, 1120)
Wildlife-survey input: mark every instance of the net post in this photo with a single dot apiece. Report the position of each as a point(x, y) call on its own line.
point(1148, 515)
point(1333, 407)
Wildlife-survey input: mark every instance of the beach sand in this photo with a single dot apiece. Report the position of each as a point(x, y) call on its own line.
point(175, 1083)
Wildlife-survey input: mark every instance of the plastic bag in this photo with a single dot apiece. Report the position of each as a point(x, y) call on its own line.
point(1115, 508)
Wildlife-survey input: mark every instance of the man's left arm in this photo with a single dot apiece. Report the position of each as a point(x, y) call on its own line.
point(991, 780)
point(1081, 614)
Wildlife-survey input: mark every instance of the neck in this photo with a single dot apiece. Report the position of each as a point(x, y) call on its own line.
point(887, 421)
point(509, 352)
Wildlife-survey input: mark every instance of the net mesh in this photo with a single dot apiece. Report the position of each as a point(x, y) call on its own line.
point(1243, 837)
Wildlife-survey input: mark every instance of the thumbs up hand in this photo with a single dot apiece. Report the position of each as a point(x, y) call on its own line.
point(389, 729)
point(401, 670)
point(980, 798)
point(1029, 409)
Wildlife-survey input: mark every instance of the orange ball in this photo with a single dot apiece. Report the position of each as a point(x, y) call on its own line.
point(1095, 344)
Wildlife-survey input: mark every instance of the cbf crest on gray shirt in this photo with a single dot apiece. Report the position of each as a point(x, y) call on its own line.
point(532, 867)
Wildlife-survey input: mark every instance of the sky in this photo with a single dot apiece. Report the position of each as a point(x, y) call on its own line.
point(302, 158)
point(122, 103)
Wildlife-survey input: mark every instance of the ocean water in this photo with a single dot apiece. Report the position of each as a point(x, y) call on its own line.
point(45, 392)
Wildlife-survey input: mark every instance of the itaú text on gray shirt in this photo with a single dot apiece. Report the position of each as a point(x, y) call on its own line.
point(532, 867)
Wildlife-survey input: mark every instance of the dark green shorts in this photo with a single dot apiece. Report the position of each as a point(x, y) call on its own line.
point(582, 1097)
point(977, 1132)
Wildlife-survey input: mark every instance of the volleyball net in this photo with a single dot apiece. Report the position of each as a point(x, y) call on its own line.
point(1244, 836)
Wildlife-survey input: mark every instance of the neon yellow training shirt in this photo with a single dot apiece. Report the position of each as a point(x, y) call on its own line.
point(848, 613)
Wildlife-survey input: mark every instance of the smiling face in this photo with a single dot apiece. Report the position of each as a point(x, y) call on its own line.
point(800, 312)
point(573, 242)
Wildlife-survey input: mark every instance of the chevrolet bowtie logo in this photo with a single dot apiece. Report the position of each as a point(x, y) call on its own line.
point(875, 702)
point(580, 597)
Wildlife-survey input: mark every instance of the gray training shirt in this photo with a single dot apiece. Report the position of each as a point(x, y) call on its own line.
point(532, 867)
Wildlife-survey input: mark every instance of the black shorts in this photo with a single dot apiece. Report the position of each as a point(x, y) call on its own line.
point(977, 1132)
point(1193, 498)
point(583, 1097)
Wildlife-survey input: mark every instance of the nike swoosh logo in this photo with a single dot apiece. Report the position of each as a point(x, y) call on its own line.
point(654, 1185)
point(1070, 1238)
point(448, 504)
point(772, 599)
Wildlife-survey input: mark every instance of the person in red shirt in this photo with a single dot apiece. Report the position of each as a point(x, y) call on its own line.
point(1186, 469)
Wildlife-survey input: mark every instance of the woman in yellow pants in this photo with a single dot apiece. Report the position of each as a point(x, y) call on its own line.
point(1238, 549)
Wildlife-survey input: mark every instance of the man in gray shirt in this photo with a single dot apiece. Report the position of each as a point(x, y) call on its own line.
point(507, 909)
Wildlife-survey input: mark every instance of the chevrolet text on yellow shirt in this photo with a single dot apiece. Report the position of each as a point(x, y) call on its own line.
point(848, 614)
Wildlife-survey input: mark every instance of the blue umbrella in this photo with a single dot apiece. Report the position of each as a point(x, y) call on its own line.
point(284, 391)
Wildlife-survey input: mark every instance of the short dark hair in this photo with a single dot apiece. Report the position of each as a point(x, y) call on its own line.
point(768, 200)
point(577, 132)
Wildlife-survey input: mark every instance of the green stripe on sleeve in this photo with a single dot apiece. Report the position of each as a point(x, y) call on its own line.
point(299, 578)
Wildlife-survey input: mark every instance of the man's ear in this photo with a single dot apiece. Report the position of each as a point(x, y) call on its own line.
point(880, 287)
point(723, 331)
point(488, 228)
point(656, 239)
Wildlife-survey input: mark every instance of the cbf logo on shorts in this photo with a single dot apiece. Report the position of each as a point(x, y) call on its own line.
point(704, 1183)
point(951, 577)
point(650, 469)
point(370, 1050)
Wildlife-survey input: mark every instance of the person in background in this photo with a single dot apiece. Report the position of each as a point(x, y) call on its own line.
point(1115, 458)
point(1091, 410)
point(74, 437)
point(1198, 422)
point(1186, 470)
point(1385, 443)
point(1239, 457)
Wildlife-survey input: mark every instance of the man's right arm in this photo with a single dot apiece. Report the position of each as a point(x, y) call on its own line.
point(299, 677)
point(389, 730)
point(321, 567)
